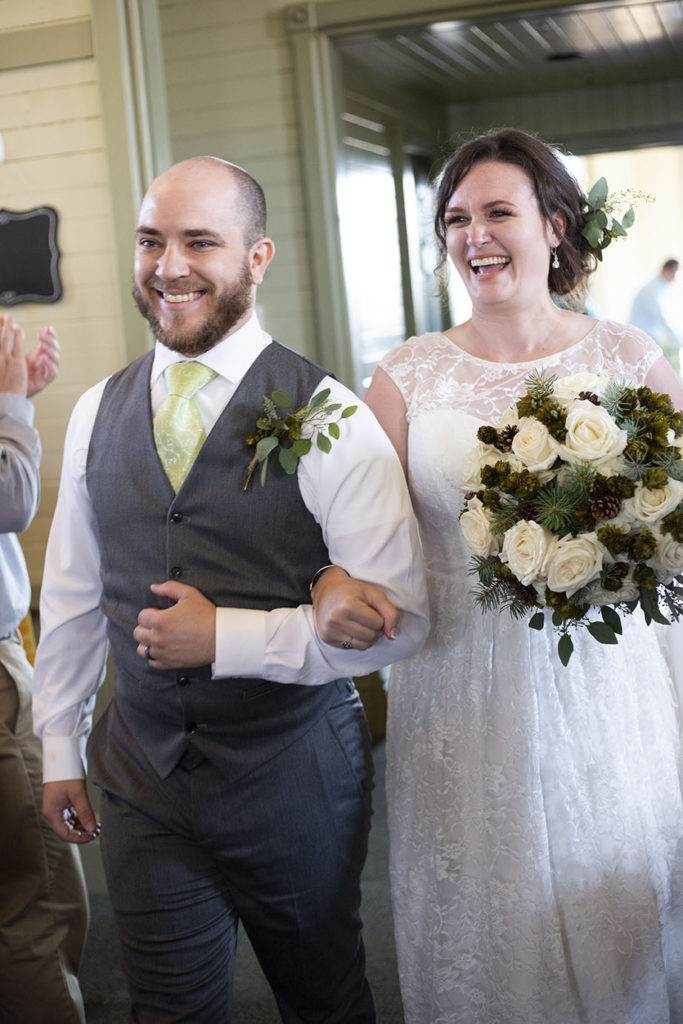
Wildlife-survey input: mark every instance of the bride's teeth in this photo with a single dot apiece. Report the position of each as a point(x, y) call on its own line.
point(489, 261)
point(183, 297)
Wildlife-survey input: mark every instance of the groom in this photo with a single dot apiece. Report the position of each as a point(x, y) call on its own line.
point(233, 759)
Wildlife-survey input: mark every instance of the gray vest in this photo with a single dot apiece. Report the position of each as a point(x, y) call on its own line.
point(253, 549)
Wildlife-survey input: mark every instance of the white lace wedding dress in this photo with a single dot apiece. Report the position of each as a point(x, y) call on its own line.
point(535, 811)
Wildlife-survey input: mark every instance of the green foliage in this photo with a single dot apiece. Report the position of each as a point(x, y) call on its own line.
point(600, 225)
point(279, 429)
point(555, 508)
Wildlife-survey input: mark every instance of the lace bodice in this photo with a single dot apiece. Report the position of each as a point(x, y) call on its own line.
point(432, 372)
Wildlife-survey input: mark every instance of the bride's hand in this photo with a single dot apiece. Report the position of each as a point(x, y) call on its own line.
point(351, 613)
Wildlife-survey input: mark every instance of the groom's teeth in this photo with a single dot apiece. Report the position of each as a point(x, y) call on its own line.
point(183, 297)
point(489, 261)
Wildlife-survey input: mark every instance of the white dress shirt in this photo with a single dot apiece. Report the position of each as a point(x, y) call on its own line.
point(357, 493)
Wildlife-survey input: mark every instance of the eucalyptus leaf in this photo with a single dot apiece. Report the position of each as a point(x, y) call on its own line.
point(264, 471)
point(628, 218)
point(265, 446)
point(537, 621)
point(618, 229)
point(602, 632)
point(565, 649)
point(650, 606)
point(301, 446)
point(333, 406)
point(348, 411)
point(598, 194)
point(612, 618)
point(282, 398)
point(324, 443)
point(320, 398)
point(333, 431)
point(602, 219)
point(288, 460)
point(557, 619)
point(592, 233)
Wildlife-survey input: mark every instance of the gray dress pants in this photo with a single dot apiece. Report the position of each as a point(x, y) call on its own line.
point(280, 850)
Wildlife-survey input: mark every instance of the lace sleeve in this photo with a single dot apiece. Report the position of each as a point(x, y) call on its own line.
point(626, 350)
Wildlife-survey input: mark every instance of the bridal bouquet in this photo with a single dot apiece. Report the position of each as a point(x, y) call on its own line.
point(575, 504)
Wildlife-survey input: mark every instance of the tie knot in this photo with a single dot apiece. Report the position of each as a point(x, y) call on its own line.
point(185, 379)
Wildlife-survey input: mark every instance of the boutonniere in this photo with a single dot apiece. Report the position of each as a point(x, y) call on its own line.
point(290, 431)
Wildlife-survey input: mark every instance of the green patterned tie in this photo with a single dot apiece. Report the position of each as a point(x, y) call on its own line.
point(178, 429)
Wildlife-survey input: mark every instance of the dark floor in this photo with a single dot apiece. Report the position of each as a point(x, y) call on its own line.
point(104, 988)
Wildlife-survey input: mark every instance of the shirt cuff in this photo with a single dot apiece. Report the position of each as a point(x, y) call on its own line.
point(240, 642)
point(63, 758)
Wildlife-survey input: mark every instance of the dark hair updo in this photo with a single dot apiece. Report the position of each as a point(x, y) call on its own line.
point(556, 189)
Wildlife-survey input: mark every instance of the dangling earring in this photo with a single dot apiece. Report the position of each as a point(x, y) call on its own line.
point(556, 263)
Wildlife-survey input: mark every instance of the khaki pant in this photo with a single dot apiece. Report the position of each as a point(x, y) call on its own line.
point(43, 903)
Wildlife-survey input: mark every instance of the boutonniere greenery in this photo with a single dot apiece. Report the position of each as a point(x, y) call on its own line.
point(600, 224)
point(290, 432)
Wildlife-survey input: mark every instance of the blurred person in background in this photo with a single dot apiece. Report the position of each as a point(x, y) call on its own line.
point(650, 311)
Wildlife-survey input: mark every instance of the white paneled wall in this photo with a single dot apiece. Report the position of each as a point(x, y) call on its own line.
point(229, 82)
point(51, 125)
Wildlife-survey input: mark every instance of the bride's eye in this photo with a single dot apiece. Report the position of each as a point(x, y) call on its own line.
point(501, 213)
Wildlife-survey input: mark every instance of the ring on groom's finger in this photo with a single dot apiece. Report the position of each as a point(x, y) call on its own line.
point(147, 655)
point(347, 645)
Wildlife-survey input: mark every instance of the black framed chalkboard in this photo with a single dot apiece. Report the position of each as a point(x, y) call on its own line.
point(29, 257)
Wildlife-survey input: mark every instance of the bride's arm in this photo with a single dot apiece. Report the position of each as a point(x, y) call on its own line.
point(386, 401)
point(663, 377)
point(346, 608)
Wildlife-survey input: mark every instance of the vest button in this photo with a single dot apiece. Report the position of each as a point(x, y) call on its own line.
point(176, 517)
point(175, 572)
point(183, 680)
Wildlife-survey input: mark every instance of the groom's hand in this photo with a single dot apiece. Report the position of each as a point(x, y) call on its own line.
point(182, 636)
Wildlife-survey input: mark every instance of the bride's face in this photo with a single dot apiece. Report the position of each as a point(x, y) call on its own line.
point(496, 236)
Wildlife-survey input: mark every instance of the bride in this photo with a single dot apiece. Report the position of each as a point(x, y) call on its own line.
point(536, 811)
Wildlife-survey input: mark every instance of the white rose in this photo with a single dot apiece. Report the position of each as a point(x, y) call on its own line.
point(568, 388)
point(525, 548)
point(534, 445)
point(667, 561)
point(574, 562)
point(475, 524)
point(592, 435)
point(650, 504)
point(483, 455)
point(510, 418)
point(623, 520)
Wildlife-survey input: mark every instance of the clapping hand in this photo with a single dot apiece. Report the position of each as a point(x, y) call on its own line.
point(13, 364)
point(22, 374)
point(43, 361)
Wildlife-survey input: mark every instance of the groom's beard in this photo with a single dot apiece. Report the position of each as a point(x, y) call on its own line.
point(232, 303)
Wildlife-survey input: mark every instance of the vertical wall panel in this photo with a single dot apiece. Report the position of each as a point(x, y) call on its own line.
point(51, 124)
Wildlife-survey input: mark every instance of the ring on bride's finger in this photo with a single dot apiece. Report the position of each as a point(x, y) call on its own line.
point(147, 655)
point(347, 645)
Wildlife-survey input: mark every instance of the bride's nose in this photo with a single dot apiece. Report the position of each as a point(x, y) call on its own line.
point(478, 231)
